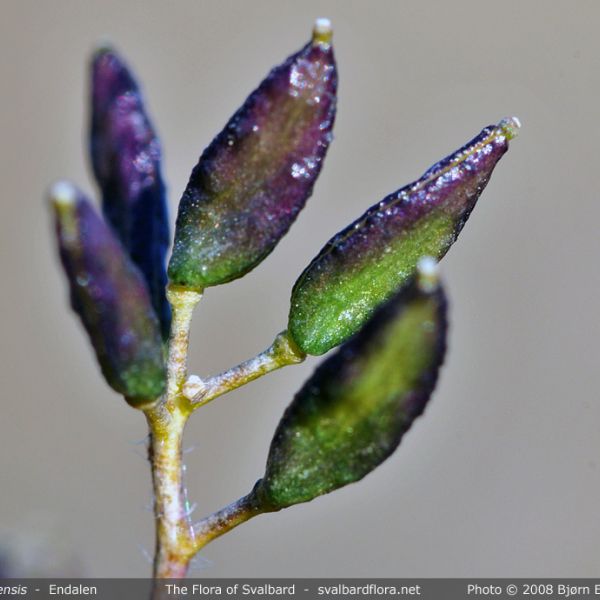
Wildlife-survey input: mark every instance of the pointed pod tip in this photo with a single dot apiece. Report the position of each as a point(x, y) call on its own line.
point(510, 127)
point(428, 274)
point(62, 194)
point(322, 31)
point(103, 46)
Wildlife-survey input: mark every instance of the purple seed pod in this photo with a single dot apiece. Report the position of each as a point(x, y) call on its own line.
point(111, 297)
point(126, 158)
point(256, 175)
point(366, 262)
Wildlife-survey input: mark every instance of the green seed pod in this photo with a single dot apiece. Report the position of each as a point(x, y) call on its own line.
point(352, 413)
point(364, 264)
point(111, 297)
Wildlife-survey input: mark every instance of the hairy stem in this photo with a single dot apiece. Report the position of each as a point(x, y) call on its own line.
point(174, 536)
point(176, 540)
point(281, 353)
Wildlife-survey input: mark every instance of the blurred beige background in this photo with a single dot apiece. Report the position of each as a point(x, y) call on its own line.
point(502, 475)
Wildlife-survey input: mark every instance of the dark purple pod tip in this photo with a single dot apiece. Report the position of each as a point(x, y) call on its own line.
point(110, 76)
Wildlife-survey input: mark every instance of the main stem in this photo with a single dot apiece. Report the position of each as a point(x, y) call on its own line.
point(175, 540)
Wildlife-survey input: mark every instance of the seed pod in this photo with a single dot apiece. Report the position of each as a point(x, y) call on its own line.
point(367, 261)
point(256, 175)
point(126, 158)
point(111, 298)
point(352, 413)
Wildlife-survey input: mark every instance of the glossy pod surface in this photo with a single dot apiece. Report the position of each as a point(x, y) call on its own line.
point(366, 262)
point(352, 413)
point(126, 160)
point(110, 296)
point(255, 176)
